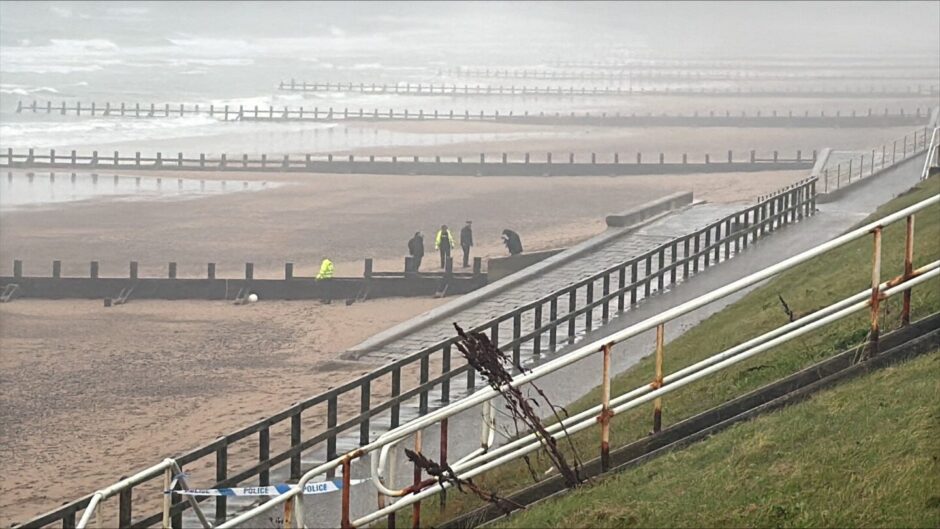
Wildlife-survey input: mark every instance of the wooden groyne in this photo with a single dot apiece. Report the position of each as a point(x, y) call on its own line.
point(494, 165)
point(711, 118)
point(211, 287)
point(757, 64)
point(673, 75)
point(439, 89)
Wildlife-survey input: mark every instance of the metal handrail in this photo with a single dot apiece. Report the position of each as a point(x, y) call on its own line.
point(932, 150)
point(472, 467)
point(649, 394)
point(169, 468)
point(889, 159)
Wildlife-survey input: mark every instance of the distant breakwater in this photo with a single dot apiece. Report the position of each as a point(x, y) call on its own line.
point(709, 118)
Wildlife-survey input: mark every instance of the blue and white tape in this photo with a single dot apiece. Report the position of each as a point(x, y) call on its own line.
point(319, 487)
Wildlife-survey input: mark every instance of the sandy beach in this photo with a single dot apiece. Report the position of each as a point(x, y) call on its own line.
point(93, 394)
point(605, 141)
point(345, 217)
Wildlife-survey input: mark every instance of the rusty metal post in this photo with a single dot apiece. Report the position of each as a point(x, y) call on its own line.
point(347, 470)
point(604, 417)
point(416, 506)
point(289, 511)
point(908, 270)
point(658, 382)
point(875, 292)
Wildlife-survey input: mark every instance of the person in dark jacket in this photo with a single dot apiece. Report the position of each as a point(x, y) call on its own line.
point(466, 241)
point(416, 249)
point(512, 241)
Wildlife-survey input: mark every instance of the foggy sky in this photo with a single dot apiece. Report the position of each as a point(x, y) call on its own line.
point(720, 28)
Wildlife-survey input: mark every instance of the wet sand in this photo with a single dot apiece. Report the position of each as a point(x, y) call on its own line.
point(672, 141)
point(345, 217)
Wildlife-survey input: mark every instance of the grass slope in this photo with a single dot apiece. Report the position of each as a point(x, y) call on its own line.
point(860, 455)
point(806, 288)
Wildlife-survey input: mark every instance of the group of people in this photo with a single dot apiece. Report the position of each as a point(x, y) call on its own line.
point(445, 243)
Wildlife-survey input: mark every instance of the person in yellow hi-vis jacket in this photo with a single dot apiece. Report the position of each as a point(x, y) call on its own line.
point(444, 242)
point(326, 270)
point(323, 278)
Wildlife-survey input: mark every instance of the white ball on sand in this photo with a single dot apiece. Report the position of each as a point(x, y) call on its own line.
point(252, 298)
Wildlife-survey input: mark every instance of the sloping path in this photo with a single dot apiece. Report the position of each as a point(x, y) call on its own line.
point(634, 243)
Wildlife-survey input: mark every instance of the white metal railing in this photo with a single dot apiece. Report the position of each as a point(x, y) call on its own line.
point(171, 473)
point(933, 153)
point(851, 170)
point(484, 459)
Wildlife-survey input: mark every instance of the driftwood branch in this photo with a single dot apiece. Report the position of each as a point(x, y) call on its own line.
point(491, 363)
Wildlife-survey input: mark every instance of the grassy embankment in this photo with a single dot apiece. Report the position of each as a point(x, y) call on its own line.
point(886, 467)
point(864, 454)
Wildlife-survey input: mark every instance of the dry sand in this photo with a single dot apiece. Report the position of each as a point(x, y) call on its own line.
point(91, 393)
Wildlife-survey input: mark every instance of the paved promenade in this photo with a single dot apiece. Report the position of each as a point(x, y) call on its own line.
point(632, 243)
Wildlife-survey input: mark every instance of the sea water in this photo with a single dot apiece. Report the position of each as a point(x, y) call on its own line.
point(20, 190)
point(144, 54)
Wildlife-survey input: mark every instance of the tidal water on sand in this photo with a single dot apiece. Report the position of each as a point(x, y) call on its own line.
point(27, 190)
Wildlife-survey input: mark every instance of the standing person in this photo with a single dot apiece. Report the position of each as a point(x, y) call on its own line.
point(512, 241)
point(416, 249)
point(444, 242)
point(466, 241)
point(324, 279)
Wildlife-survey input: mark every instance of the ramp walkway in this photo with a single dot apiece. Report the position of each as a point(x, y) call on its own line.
point(534, 284)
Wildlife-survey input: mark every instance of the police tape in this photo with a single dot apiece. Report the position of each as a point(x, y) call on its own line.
point(319, 487)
